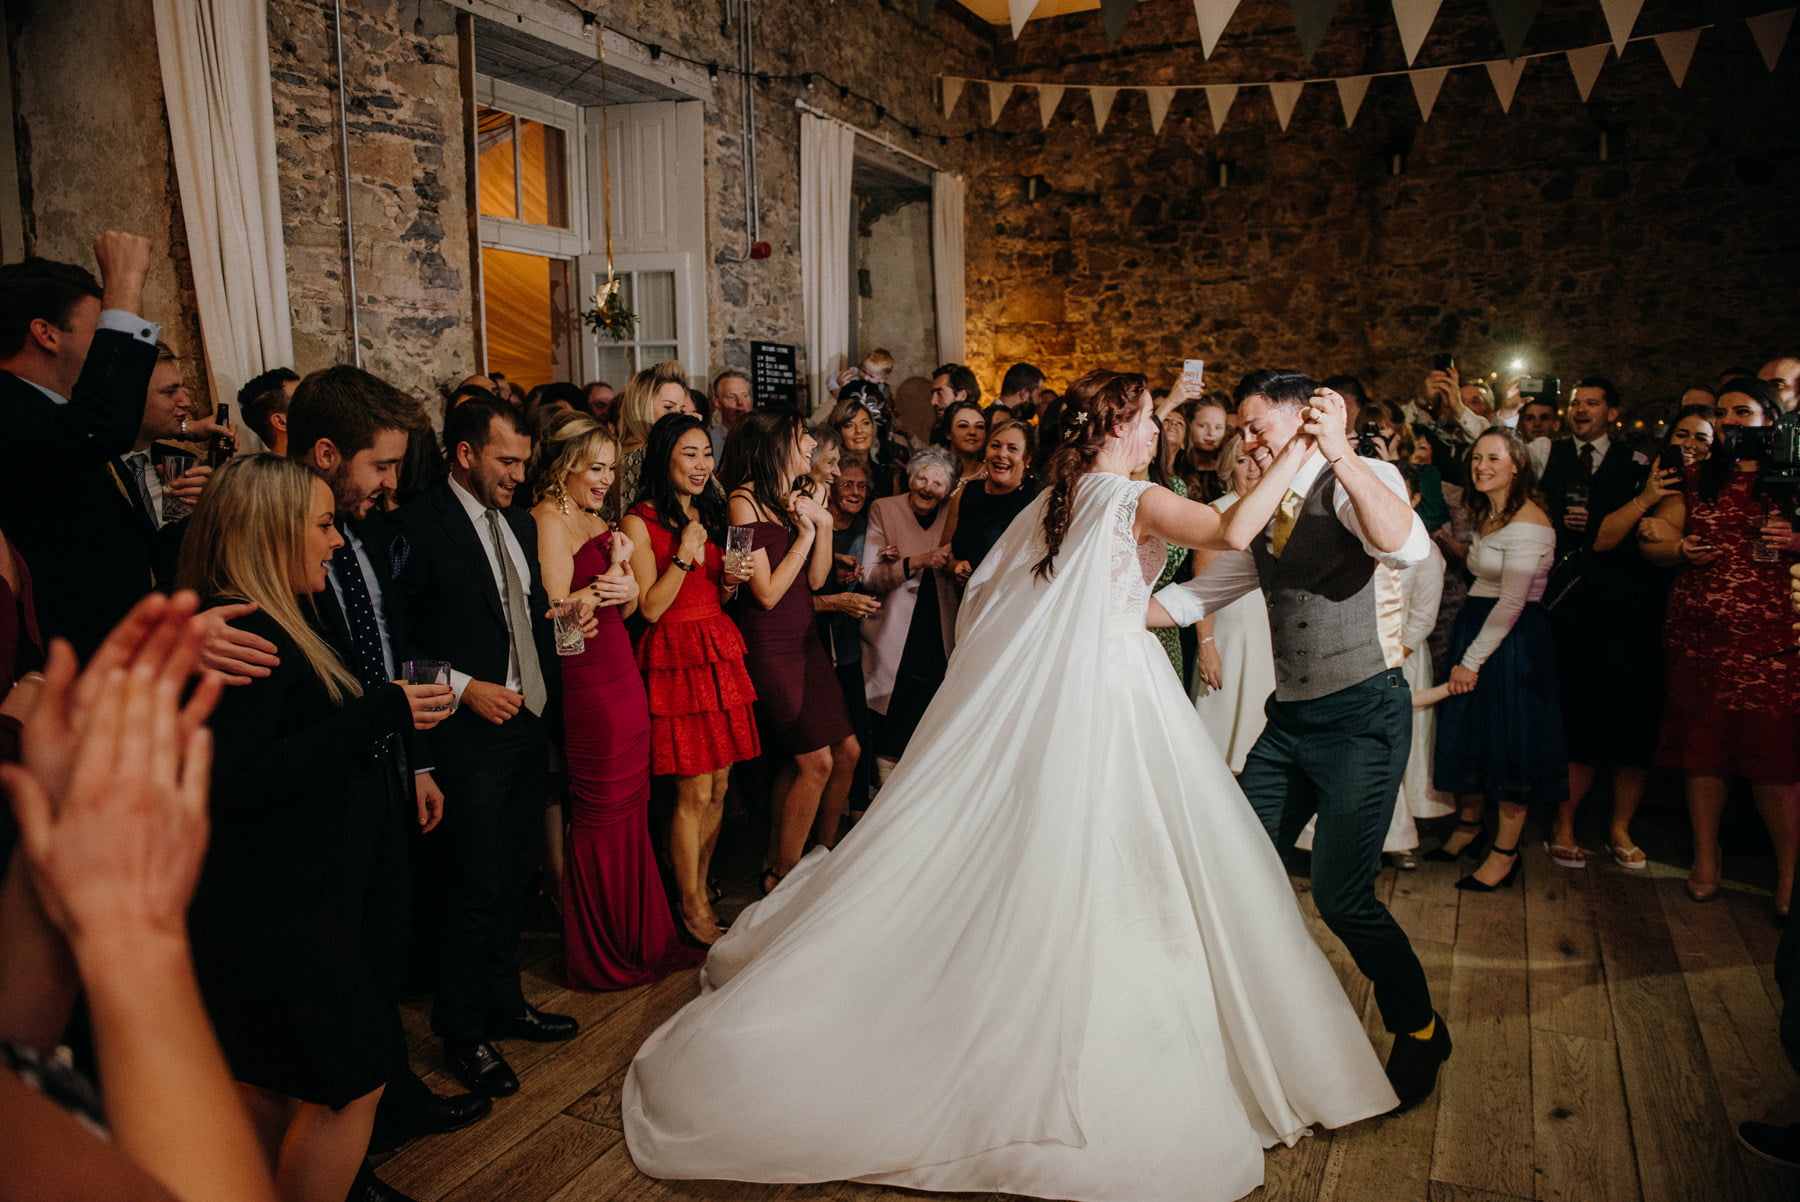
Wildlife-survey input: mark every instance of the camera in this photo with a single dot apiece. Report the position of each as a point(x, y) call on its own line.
point(1776, 450)
point(1540, 388)
point(1368, 440)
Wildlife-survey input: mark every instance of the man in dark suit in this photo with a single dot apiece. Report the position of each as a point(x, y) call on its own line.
point(75, 365)
point(1606, 613)
point(466, 578)
point(352, 428)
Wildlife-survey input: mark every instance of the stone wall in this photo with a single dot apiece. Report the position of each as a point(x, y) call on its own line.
point(93, 157)
point(1505, 235)
point(409, 214)
point(898, 310)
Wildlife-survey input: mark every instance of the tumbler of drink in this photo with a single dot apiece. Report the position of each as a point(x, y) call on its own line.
point(739, 545)
point(1575, 497)
point(428, 671)
point(1760, 550)
point(172, 468)
point(565, 616)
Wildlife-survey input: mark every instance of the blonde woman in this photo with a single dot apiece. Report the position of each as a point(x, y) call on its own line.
point(618, 930)
point(1235, 670)
point(652, 394)
point(295, 940)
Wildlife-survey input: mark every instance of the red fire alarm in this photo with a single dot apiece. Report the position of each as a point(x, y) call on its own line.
point(761, 250)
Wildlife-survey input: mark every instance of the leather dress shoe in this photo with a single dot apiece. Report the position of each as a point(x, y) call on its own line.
point(433, 1114)
point(533, 1024)
point(1412, 1066)
point(480, 1067)
point(369, 1188)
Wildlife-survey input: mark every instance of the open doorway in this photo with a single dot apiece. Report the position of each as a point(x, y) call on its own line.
point(893, 303)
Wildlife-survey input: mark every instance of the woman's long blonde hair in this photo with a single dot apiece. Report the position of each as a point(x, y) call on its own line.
point(246, 540)
point(637, 404)
point(568, 446)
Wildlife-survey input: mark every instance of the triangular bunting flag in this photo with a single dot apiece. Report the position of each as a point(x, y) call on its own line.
point(1621, 15)
point(1213, 16)
point(1311, 19)
point(1020, 12)
point(1586, 62)
point(1160, 99)
point(1426, 85)
point(1678, 51)
point(997, 95)
point(953, 86)
point(1103, 102)
point(1505, 78)
point(1049, 96)
point(1414, 17)
point(1113, 15)
point(1285, 96)
point(1351, 90)
point(1770, 31)
point(1218, 102)
point(1514, 17)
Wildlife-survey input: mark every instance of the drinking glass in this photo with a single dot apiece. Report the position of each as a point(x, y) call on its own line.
point(172, 468)
point(565, 617)
point(1760, 551)
point(428, 671)
point(739, 546)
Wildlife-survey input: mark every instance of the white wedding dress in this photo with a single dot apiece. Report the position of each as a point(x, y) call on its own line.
point(1058, 956)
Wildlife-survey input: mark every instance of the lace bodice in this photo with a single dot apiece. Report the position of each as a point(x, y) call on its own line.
point(1135, 565)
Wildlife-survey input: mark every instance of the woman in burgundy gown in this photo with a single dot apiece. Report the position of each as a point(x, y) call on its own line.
point(617, 928)
point(800, 708)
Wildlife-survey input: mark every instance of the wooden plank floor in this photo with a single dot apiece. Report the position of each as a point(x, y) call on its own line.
point(1609, 1036)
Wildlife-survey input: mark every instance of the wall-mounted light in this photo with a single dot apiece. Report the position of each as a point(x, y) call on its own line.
point(1036, 186)
point(1397, 163)
point(1223, 171)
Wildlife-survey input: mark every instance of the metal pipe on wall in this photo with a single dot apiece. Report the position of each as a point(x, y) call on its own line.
point(337, 24)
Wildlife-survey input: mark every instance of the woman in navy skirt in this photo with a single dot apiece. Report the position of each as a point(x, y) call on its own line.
point(1500, 731)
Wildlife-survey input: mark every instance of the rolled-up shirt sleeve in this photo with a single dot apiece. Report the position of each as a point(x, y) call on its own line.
point(1230, 576)
point(1418, 543)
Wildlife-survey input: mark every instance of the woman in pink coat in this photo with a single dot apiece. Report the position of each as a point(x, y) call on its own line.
point(906, 562)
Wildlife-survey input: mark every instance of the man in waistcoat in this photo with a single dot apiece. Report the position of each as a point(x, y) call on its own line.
point(1340, 722)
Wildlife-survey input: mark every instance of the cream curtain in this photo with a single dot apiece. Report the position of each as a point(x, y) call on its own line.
point(947, 264)
point(215, 72)
point(827, 160)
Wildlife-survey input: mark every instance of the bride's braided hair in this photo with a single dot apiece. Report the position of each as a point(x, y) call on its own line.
point(1093, 407)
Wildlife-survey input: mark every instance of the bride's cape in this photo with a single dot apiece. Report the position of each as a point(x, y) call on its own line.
point(1059, 853)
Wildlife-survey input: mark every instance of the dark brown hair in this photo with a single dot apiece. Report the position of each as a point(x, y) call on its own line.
point(1093, 407)
point(1524, 484)
point(350, 407)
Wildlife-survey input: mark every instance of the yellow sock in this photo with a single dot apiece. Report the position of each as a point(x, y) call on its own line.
point(1428, 1030)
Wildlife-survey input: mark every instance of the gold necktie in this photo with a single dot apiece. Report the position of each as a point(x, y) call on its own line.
point(1285, 515)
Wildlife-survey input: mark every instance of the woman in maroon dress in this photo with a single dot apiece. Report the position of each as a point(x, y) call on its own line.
point(691, 655)
point(617, 929)
point(1730, 711)
point(799, 705)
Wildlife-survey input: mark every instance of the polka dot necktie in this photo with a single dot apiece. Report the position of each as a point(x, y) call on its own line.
point(359, 615)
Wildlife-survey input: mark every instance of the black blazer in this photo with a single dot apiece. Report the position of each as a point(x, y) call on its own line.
point(447, 598)
point(89, 546)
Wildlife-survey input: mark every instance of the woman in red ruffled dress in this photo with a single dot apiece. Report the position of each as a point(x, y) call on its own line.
point(691, 654)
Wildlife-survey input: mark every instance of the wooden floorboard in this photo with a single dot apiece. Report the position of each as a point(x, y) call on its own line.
point(1610, 1034)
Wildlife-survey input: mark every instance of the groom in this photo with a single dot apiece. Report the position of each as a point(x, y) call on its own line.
point(1340, 723)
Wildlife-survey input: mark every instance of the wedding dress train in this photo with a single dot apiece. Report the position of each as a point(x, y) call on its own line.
point(1058, 956)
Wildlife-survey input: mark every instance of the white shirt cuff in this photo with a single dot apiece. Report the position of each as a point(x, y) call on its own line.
point(130, 323)
point(1182, 604)
point(458, 682)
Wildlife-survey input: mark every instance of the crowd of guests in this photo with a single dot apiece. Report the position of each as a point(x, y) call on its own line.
point(544, 649)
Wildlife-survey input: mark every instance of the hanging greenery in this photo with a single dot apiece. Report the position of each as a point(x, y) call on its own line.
point(609, 314)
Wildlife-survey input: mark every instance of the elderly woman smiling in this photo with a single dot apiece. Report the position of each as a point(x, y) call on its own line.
point(906, 558)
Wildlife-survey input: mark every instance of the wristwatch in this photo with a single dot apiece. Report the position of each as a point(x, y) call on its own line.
point(676, 560)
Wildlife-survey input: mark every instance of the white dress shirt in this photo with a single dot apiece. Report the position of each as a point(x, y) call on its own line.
point(1539, 450)
point(1233, 574)
point(478, 518)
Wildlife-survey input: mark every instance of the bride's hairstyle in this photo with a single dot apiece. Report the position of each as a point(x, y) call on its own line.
point(1093, 407)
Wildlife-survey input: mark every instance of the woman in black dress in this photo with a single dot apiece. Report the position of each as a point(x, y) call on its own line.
point(983, 509)
point(297, 939)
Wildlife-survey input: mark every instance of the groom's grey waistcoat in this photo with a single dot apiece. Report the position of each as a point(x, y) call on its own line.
point(1322, 602)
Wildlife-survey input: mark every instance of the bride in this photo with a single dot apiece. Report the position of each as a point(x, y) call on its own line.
point(1059, 955)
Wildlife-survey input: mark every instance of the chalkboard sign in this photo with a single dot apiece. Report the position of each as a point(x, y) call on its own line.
point(774, 374)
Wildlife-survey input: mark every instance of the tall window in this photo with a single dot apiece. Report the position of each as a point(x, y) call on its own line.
point(651, 295)
point(523, 168)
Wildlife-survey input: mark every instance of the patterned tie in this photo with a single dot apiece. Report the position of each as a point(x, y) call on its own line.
point(139, 463)
point(518, 621)
point(1285, 516)
point(366, 659)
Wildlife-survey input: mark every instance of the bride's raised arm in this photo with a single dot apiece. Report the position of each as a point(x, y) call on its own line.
point(1195, 524)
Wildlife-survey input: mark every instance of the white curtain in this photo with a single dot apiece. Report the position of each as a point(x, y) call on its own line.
point(215, 72)
point(827, 159)
point(947, 264)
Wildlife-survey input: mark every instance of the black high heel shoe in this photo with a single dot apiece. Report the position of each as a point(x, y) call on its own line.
point(1473, 884)
point(1438, 855)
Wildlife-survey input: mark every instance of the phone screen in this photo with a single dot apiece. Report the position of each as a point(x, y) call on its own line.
point(1193, 374)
